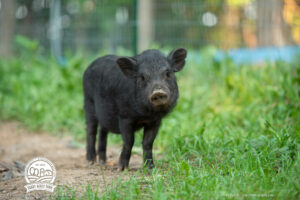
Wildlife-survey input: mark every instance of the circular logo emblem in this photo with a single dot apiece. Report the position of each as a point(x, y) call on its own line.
point(40, 174)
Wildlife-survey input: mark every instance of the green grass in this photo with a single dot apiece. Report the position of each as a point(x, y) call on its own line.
point(235, 133)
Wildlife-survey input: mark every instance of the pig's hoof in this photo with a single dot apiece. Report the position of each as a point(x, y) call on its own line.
point(101, 162)
point(151, 166)
point(91, 162)
point(122, 168)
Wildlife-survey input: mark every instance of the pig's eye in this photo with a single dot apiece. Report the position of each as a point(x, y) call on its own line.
point(143, 78)
point(168, 74)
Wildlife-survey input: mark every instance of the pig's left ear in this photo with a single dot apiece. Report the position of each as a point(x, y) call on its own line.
point(177, 58)
point(128, 66)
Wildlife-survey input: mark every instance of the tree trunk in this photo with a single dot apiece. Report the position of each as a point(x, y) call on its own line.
point(271, 28)
point(7, 25)
point(145, 24)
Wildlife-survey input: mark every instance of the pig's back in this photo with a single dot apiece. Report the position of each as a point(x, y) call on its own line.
point(104, 77)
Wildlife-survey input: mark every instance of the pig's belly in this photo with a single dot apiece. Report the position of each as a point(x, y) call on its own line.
point(107, 116)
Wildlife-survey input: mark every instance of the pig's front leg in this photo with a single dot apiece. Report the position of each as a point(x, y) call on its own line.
point(102, 145)
point(150, 132)
point(127, 132)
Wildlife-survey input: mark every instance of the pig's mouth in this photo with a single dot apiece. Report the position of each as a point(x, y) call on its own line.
point(163, 107)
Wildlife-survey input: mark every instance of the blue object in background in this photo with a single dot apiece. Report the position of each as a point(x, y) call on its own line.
point(259, 55)
point(248, 56)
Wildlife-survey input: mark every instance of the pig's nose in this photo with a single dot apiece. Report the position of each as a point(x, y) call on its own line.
point(159, 97)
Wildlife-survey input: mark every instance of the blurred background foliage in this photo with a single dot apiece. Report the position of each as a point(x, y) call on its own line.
point(94, 26)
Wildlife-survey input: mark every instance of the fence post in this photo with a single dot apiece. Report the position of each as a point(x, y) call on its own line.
point(135, 23)
point(55, 29)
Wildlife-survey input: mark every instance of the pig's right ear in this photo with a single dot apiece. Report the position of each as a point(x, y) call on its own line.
point(128, 66)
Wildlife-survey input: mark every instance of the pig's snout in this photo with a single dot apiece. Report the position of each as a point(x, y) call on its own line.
point(159, 97)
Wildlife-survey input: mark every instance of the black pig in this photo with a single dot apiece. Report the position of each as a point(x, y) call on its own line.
point(124, 94)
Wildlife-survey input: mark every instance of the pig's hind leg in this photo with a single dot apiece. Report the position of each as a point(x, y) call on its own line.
point(91, 127)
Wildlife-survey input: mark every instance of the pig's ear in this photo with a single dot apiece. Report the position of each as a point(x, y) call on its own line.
point(128, 66)
point(177, 58)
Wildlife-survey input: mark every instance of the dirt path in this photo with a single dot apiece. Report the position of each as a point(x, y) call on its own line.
point(18, 146)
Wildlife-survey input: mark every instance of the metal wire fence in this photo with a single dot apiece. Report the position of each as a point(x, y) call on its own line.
point(96, 25)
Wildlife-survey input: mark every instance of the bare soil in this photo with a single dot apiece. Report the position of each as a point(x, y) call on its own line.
point(18, 146)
